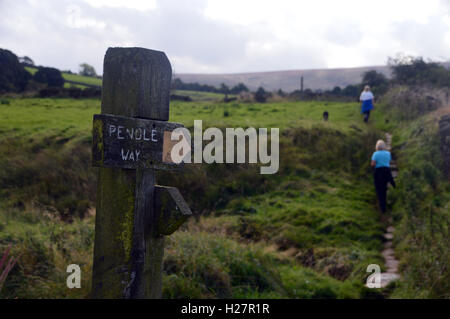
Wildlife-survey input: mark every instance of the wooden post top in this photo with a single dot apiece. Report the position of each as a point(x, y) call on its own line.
point(133, 130)
point(136, 83)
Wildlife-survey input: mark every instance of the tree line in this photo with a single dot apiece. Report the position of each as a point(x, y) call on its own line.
point(178, 84)
point(406, 70)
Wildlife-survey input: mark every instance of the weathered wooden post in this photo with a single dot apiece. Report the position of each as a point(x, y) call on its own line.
point(131, 138)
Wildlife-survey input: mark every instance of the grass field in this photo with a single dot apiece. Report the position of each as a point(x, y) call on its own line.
point(73, 77)
point(307, 232)
point(47, 116)
point(194, 95)
point(313, 207)
point(71, 85)
point(31, 70)
point(82, 79)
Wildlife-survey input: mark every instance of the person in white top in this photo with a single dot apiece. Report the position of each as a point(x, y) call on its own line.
point(366, 99)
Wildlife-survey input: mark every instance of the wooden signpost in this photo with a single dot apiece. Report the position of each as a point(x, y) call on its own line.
point(131, 138)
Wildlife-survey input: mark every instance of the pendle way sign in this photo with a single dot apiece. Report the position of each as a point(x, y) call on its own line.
point(126, 142)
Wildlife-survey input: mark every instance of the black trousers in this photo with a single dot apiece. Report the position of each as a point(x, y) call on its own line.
point(382, 176)
point(366, 116)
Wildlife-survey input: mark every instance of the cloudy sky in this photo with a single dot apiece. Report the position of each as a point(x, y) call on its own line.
point(228, 36)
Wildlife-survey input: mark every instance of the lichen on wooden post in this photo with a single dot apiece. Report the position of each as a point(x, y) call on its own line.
point(128, 250)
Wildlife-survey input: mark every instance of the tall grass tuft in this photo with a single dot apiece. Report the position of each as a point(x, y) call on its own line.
point(6, 265)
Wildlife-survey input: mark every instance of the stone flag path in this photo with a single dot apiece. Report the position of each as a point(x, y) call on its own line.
point(391, 262)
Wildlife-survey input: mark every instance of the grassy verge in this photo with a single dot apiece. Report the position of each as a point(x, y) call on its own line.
point(420, 203)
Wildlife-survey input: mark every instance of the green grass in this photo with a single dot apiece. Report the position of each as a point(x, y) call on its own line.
point(47, 117)
point(284, 115)
point(46, 245)
point(30, 116)
point(307, 232)
point(68, 85)
point(31, 70)
point(421, 208)
point(82, 79)
point(202, 264)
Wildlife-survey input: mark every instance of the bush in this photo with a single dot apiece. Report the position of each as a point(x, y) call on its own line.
point(408, 103)
point(261, 95)
point(415, 71)
point(423, 232)
point(70, 92)
point(51, 76)
point(87, 70)
point(377, 81)
point(352, 90)
point(13, 76)
point(177, 84)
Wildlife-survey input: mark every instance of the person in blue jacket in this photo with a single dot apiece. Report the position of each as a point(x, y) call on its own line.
point(381, 160)
point(366, 99)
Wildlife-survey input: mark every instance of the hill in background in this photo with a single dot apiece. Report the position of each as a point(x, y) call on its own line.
point(323, 79)
point(287, 80)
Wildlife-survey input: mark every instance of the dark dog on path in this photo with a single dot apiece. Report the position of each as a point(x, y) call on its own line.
point(325, 116)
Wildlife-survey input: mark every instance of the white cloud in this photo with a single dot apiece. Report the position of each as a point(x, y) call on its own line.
point(76, 20)
point(140, 5)
point(227, 36)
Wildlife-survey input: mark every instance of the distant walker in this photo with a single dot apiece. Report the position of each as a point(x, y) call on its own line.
point(382, 175)
point(366, 99)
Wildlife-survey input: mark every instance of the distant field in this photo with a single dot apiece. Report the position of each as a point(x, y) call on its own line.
point(31, 70)
point(343, 116)
point(202, 96)
point(71, 116)
point(82, 79)
point(70, 85)
point(73, 77)
point(46, 117)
